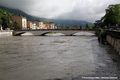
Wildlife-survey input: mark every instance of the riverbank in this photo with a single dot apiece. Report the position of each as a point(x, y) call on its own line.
point(6, 33)
point(110, 37)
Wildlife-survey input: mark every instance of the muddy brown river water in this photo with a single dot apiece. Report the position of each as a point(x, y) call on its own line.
point(56, 58)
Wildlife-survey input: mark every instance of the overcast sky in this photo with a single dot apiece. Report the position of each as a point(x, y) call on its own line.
point(89, 10)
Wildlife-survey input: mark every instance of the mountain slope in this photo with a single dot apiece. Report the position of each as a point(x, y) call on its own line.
point(59, 22)
point(21, 13)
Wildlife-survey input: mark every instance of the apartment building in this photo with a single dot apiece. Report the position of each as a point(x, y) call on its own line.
point(21, 21)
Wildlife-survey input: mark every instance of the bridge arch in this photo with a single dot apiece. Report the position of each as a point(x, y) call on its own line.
point(45, 34)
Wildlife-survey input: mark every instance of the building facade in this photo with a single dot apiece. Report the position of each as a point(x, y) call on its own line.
point(41, 25)
point(21, 21)
point(48, 25)
point(34, 26)
point(29, 24)
point(52, 25)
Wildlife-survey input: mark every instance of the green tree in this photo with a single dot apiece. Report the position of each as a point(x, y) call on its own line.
point(5, 19)
point(112, 16)
point(1, 15)
point(0, 22)
point(16, 26)
point(5, 23)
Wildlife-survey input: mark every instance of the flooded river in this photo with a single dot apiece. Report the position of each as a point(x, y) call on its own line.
point(55, 58)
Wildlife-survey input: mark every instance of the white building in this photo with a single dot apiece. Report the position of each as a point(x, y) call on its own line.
point(34, 26)
point(24, 23)
point(52, 26)
point(40, 25)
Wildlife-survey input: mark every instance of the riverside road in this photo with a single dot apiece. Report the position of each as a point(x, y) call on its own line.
point(57, 58)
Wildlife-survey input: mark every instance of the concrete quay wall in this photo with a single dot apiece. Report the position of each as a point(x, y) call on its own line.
point(114, 40)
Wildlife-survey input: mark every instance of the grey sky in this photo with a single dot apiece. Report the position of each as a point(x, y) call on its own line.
point(89, 10)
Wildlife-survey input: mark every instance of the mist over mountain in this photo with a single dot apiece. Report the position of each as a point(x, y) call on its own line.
point(71, 22)
point(88, 10)
point(60, 22)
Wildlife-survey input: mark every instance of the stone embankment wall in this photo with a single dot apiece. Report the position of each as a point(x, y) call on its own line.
point(6, 33)
point(113, 38)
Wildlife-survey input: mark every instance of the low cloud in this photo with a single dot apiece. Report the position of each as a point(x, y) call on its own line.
point(89, 10)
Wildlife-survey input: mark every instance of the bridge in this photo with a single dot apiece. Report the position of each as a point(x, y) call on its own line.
point(42, 32)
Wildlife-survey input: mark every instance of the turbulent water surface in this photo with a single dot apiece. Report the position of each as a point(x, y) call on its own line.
point(54, 58)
